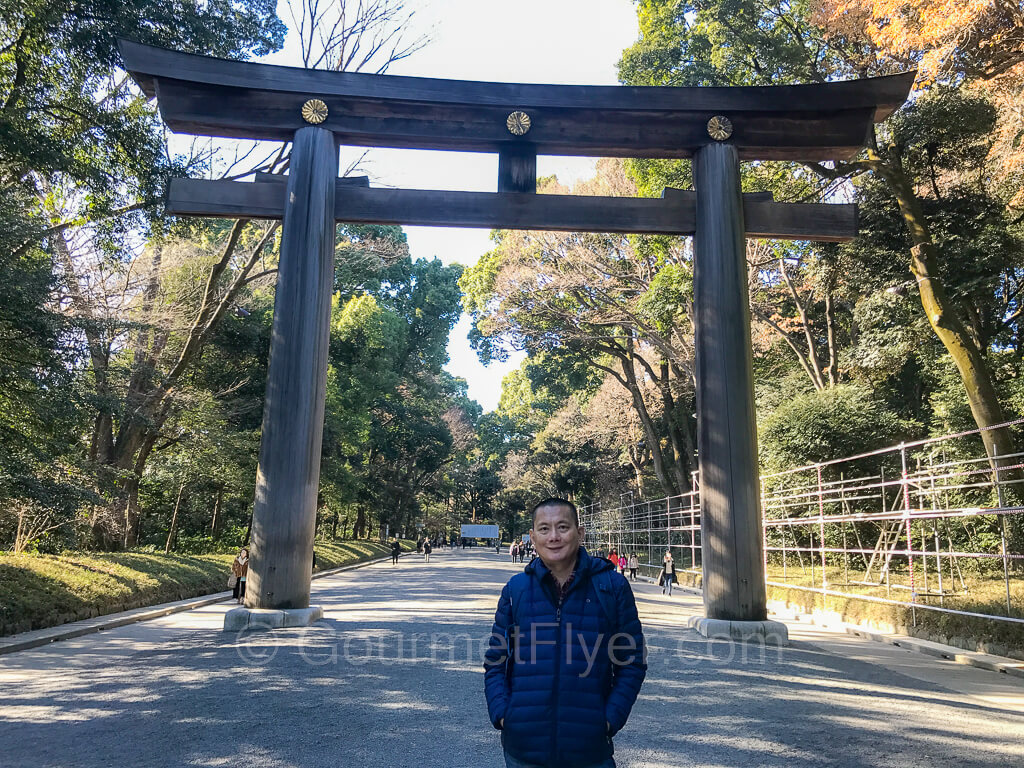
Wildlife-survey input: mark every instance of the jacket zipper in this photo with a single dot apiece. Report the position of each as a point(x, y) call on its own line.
point(558, 670)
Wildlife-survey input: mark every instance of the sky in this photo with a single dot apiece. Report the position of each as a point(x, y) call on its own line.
point(572, 42)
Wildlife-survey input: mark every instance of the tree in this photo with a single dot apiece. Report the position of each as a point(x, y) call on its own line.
point(981, 39)
point(766, 42)
point(70, 113)
point(619, 303)
point(387, 439)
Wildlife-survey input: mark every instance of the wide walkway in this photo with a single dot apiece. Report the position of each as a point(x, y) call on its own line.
point(392, 677)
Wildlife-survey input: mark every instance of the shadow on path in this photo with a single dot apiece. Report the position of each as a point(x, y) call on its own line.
point(392, 677)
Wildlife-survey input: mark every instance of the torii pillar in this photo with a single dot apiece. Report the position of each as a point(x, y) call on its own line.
point(288, 477)
point(732, 554)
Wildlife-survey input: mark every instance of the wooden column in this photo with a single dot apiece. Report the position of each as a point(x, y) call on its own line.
point(517, 169)
point(731, 544)
point(293, 413)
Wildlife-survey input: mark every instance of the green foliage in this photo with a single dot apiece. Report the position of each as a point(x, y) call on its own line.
point(66, 109)
point(829, 424)
point(668, 298)
point(80, 152)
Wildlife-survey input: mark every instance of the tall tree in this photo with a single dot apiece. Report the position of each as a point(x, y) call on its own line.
point(619, 302)
point(744, 42)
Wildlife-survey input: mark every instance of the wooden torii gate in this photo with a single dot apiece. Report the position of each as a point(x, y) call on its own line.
point(318, 111)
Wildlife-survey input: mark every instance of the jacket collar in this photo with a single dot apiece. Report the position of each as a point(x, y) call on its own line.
point(585, 565)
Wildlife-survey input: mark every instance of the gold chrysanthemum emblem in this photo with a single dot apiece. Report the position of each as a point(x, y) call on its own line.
point(518, 123)
point(314, 111)
point(719, 128)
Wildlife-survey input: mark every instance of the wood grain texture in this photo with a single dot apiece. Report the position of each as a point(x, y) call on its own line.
point(674, 214)
point(288, 476)
point(517, 168)
point(342, 181)
point(731, 544)
point(209, 96)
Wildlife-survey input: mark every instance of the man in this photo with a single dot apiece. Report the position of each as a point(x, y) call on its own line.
point(566, 657)
point(396, 550)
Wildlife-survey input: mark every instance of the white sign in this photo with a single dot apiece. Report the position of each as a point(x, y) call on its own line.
point(480, 532)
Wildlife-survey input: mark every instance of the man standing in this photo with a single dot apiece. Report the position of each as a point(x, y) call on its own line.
point(566, 657)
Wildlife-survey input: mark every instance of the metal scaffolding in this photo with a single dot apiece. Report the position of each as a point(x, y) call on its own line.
point(648, 528)
point(928, 525)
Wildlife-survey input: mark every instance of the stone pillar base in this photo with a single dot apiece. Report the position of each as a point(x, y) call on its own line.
point(766, 632)
point(241, 618)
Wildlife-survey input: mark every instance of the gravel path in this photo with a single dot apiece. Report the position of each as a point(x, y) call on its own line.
point(392, 677)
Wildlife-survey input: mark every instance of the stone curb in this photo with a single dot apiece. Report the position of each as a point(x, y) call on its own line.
point(938, 650)
point(38, 637)
point(958, 655)
point(987, 661)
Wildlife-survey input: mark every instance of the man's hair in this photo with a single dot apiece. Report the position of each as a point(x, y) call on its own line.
point(555, 501)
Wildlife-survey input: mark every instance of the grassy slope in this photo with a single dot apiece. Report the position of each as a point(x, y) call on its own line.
point(39, 591)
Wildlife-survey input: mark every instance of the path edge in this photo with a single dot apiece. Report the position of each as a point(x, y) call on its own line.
point(39, 637)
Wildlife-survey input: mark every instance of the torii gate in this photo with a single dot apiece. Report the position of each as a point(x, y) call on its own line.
point(318, 111)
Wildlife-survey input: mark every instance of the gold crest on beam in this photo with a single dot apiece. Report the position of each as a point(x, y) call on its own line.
point(518, 123)
point(719, 128)
point(314, 111)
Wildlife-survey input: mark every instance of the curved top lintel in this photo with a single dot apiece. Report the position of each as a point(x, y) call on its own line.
point(766, 113)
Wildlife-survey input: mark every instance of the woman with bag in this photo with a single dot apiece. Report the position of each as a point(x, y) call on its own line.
point(668, 574)
point(239, 572)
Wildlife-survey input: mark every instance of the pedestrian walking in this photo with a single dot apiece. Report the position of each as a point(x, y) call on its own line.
point(426, 550)
point(522, 550)
point(622, 564)
point(634, 563)
point(513, 551)
point(561, 677)
point(240, 569)
point(668, 574)
point(396, 550)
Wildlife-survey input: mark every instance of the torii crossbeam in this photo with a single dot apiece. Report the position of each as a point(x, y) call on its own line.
point(318, 111)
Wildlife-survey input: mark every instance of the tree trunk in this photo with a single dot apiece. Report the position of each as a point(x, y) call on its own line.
point(830, 328)
point(174, 520)
point(947, 323)
point(129, 495)
point(812, 350)
point(681, 458)
point(650, 433)
point(216, 511)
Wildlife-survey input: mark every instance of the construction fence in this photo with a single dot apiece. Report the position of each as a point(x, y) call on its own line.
point(932, 525)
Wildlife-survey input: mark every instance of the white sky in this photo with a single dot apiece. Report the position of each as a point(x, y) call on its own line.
point(575, 42)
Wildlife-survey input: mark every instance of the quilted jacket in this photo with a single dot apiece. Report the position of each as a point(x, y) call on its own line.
point(574, 672)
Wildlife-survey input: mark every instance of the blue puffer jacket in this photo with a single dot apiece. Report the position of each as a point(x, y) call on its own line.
point(574, 676)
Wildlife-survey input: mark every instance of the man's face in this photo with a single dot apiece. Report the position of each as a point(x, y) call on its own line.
point(555, 535)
